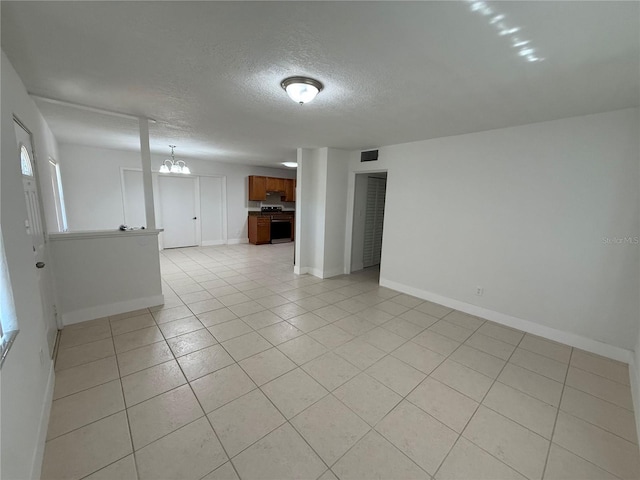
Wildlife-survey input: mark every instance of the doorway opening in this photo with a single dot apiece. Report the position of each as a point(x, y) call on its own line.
point(368, 220)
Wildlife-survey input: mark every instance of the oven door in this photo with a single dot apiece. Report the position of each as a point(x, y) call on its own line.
point(280, 230)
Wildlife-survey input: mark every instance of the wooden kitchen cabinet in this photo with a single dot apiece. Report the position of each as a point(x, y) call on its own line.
point(259, 230)
point(260, 186)
point(257, 188)
point(289, 190)
point(275, 184)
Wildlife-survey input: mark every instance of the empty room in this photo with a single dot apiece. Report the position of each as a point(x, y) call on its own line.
point(320, 240)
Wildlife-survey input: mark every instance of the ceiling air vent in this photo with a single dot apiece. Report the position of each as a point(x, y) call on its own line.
point(370, 156)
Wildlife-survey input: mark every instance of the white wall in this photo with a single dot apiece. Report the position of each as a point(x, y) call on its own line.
point(26, 378)
point(521, 212)
point(312, 185)
point(93, 192)
point(320, 220)
point(335, 208)
point(129, 276)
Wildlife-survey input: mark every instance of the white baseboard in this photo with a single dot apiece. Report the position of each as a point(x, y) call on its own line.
point(236, 241)
point(332, 272)
point(38, 454)
point(99, 311)
point(212, 243)
point(316, 272)
point(568, 338)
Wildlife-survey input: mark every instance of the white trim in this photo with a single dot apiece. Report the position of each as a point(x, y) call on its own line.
point(236, 241)
point(316, 272)
point(210, 243)
point(38, 454)
point(100, 311)
point(568, 338)
point(101, 233)
point(351, 205)
point(332, 273)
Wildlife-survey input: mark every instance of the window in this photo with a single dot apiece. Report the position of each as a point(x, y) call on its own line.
point(25, 161)
point(8, 320)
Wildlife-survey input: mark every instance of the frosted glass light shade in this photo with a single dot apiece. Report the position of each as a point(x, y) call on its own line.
point(302, 89)
point(301, 93)
point(164, 169)
point(176, 168)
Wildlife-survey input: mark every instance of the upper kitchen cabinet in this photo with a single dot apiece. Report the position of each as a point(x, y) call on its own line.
point(275, 184)
point(289, 190)
point(257, 188)
point(260, 186)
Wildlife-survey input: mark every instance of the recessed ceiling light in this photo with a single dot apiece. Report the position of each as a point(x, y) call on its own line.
point(302, 89)
point(290, 164)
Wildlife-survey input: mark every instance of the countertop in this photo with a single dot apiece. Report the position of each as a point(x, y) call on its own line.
point(286, 213)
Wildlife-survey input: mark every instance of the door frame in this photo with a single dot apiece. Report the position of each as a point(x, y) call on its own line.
point(351, 205)
point(155, 175)
point(58, 195)
point(48, 311)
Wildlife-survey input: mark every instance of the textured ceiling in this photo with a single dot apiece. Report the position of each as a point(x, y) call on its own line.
point(394, 72)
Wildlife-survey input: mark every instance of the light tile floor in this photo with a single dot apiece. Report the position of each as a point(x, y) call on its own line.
point(249, 371)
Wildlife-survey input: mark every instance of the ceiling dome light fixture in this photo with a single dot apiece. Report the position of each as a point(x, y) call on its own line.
point(174, 166)
point(301, 89)
point(290, 164)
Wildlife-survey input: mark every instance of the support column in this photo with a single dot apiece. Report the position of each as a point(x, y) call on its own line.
point(147, 181)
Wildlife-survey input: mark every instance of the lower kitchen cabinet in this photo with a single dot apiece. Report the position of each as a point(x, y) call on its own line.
point(259, 230)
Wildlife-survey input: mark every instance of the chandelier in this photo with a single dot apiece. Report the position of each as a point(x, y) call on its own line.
point(174, 166)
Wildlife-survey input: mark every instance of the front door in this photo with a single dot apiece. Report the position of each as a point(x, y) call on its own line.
point(35, 228)
point(178, 211)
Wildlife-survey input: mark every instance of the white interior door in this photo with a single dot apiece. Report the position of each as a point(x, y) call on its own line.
point(133, 195)
point(374, 220)
point(35, 229)
point(178, 205)
point(212, 210)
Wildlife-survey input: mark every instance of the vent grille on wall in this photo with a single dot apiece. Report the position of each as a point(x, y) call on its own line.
point(370, 156)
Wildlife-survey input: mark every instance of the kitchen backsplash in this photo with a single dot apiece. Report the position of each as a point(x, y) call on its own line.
point(273, 200)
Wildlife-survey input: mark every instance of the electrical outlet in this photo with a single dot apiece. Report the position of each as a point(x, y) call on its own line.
point(479, 291)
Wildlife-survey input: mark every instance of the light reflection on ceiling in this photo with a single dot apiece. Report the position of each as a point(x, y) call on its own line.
point(499, 21)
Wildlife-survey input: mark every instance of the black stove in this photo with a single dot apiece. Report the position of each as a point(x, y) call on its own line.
point(271, 209)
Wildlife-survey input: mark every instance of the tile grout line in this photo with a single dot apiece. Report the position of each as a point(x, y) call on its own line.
point(480, 403)
point(386, 354)
point(175, 359)
point(555, 423)
point(403, 398)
